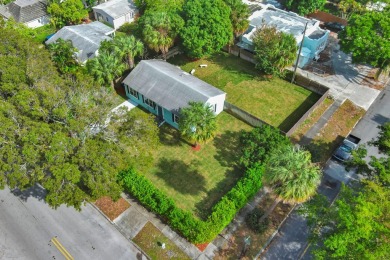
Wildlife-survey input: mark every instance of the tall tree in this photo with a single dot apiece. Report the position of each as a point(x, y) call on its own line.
point(274, 50)
point(291, 175)
point(160, 5)
point(63, 54)
point(207, 27)
point(367, 38)
point(160, 29)
point(356, 226)
point(66, 12)
point(304, 7)
point(105, 68)
point(128, 47)
point(259, 143)
point(239, 15)
point(197, 122)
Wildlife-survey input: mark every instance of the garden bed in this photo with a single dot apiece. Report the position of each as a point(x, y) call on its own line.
point(112, 209)
point(273, 100)
point(150, 240)
point(235, 248)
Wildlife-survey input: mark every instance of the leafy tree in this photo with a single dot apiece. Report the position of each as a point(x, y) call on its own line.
point(160, 30)
point(63, 54)
point(4, 2)
point(128, 47)
point(259, 143)
point(366, 38)
point(274, 50)
point(159, 5)
point(383, 140)
point(197, 122)
point(291, 175)
point(207, 27)
point(356, 226)
point(105, 68)
point(54, 128)
point(304, 7)
point(239, 16)
point(67, 12)
point(349, 7)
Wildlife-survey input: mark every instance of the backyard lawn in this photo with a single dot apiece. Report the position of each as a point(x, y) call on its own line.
point(275, 100)
point(196, 180)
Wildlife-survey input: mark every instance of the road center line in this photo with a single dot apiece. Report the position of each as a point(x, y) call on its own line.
point(62, 249)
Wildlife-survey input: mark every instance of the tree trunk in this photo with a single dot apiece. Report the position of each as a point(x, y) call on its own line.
point(269, 211)
point(131, 62)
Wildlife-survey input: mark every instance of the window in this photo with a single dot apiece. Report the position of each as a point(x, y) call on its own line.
point(175, 118)
point(107, 19)
point(150, 103)
point(133, 92)
point(215, 108)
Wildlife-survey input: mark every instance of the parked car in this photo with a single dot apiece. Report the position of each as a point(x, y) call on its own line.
point(343, 152)
point(334, 26)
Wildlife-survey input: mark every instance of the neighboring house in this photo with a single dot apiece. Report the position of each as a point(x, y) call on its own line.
point(163, 89)
point(85, 37)
point(30, 12)
point(315, 38)
point(116, 12)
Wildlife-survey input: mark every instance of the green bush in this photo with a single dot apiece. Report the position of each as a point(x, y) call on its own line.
point(252, 221)
point(195, 230)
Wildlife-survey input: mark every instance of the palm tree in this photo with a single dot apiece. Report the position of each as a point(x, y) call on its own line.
point(129, 47)
point(197, 123)
point(239, 16)
point(291, 175)
point(105, 68)
point(160, 30)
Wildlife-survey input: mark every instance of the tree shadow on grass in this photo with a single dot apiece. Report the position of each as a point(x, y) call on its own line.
point(182, 177)
point(321, 151)
point(228, 148)
point(170, 136)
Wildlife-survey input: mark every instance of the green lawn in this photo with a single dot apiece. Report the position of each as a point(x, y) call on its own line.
point(42, 32)
point(275, 100)
point(196, 180)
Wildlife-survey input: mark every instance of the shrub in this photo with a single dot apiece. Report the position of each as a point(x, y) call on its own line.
point(252, 221)
point(195, 230)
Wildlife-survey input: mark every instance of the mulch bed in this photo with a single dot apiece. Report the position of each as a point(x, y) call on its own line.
point(202, 247)
point(110, 208)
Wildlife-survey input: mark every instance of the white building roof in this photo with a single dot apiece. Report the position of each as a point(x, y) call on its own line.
point(117, 8)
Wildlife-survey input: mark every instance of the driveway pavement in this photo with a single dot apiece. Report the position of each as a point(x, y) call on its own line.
point(28, 226)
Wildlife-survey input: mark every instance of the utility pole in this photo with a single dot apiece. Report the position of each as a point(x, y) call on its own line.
point(299, 53)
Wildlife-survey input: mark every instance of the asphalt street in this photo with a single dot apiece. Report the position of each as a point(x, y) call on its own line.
point(30, 229)
point(291, 241)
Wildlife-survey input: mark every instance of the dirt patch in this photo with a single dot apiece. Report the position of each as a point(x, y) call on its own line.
point(369, 80)
point(112, 209)
point(235, 249)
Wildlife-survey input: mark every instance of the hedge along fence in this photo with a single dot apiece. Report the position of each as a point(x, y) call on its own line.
point(192, 228)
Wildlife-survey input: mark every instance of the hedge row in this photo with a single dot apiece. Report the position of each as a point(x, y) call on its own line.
point(194, 229)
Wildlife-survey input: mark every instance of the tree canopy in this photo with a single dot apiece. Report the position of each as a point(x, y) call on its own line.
point(54, 129)
point(356, 226)
point(160, 5)
point(367, 38)
point(239, 14)
point(197, 122)
point(63, 54)
point(207, 27)
point(274, 50)
point(304, 7)
point(159, 29)
point(67, 12)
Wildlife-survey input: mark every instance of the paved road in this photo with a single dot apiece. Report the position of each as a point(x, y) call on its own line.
point(290, 243)
point(27, 225)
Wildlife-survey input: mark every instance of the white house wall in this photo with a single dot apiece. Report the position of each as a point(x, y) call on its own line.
point(38, 22)
point(219, 101)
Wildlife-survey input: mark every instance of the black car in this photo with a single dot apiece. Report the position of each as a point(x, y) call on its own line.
point(334, 26)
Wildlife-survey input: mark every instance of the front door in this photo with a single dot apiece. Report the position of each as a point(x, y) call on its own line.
point(160, 112)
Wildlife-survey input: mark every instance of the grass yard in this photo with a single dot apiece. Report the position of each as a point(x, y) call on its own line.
point(150, 240)
point(337, 128)
point(42, 32)
point(275, 100)
point(311, 120)
point(196, 180)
